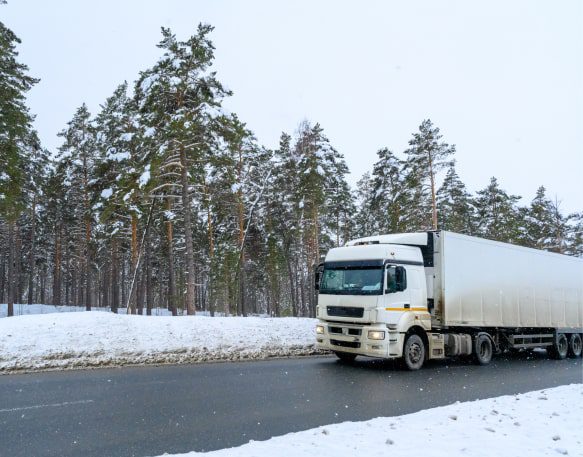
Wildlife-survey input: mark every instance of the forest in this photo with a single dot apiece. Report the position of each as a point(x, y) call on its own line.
point(165, 199)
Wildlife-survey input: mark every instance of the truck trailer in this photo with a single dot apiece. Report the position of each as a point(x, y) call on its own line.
point(438, 294)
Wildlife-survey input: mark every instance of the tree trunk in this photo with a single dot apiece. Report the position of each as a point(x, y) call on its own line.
point(190, 309)
point(57, 268)
point(134, 264)
point(10, 297)
point(211, 241)
point(3, 256)
point(43, 284)
point(17, 265)
point(433, 201)
point(148, 265)
point(290, 273)
point(123, 281)
point(88, 256)
point(171, 279)
point(140, 292)
point(114, 276)
point(32, 254)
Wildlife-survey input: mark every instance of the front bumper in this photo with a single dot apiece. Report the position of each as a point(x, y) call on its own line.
point(353, 338)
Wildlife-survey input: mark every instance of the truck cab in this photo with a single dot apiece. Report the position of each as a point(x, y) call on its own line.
point(372, 296)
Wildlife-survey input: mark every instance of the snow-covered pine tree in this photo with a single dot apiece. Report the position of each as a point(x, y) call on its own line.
point(285, 209)
point(364, 220)
point(15, 126)
point(387, 197)
point(180, 98)
point(575, 236)
point(537, 226)
point(36, 169)
point(497, 216)
point(559, 228)
point(454, 204)
point(427, 155)
point(319, 167)
point(118, 185)
point(76, 167)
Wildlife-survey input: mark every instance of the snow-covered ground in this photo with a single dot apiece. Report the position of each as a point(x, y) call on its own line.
point(542, 423)
point(89, 339)
point(24, 310)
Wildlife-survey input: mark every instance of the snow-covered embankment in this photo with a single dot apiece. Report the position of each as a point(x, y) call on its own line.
point(542, 423)
point(90, 339)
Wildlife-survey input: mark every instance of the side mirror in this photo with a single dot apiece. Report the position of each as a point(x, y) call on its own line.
point(318, 276)
point(401, 278)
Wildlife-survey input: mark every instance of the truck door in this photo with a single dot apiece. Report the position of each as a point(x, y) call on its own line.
point(397, 296)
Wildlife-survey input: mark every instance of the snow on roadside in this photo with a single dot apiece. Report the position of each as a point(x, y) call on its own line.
point(89, 339)
point(22, 309)
point(541, 423)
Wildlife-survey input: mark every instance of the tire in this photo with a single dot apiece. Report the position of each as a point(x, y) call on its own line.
point(560, 347)
point(483, 349)
point(413, 352)
point(345, 357)
point(575, 346)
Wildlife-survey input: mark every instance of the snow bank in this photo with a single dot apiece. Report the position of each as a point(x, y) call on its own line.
point(24, 309)
point(89, 339)
point(541, 423)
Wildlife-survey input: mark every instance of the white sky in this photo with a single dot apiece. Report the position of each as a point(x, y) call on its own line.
point(503, 80)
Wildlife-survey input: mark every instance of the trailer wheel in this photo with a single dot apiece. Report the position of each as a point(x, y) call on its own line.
point(575, 345)
point(345, 357)
point(560, 348)
point(414, 352)
point(483, 349)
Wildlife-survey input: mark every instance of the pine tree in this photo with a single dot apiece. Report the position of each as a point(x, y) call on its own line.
point(76, 168)
point(180, 97)
point(454, 204)
point(15, 126)
point(387, 193)
point(538, 218)
point(426, 156)
point(365, 222)
point(496, 213)
point(575, 235)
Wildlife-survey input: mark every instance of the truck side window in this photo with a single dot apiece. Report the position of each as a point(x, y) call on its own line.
point(396, 279)
point(391, 280)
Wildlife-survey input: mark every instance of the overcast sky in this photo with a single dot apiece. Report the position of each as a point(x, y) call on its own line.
point(502, 79)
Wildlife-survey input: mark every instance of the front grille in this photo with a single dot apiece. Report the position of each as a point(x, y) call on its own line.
point(345, 344)
point(345, 311)
point(349, 331)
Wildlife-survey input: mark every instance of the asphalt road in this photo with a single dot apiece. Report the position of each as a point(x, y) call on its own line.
point(147, 411)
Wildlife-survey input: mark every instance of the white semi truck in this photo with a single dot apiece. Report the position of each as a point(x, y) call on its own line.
point(431, 295)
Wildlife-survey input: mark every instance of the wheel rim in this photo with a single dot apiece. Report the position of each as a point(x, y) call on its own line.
point(576, 344)
point(484, 350)
point(562, 344)
point(415, 352)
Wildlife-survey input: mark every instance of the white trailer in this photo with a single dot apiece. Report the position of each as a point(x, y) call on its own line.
point(430, 295)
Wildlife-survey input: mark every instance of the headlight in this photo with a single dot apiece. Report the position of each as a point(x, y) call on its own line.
point(376, 335)
point(320, 330)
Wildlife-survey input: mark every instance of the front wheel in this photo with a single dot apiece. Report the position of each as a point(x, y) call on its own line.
point(414, 352)
point(345, 357)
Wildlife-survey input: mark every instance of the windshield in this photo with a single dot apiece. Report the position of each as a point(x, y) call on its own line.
point(352, 281)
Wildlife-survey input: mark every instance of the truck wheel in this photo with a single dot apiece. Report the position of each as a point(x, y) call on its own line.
point(575, 345)
point(560, 347)
point(414, 352)
point(483, 350)
point(345, 357)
